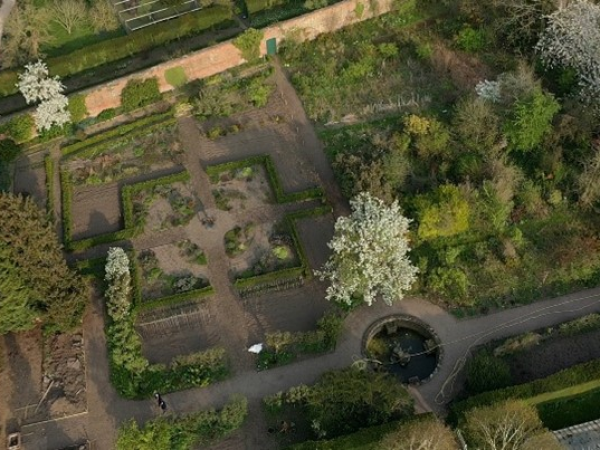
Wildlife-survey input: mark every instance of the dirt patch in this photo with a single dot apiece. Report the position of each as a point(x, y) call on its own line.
point(187, 329)
point(315, 234)
point(30, 179)
point(292, 310)
point(243, 189)
point(167, 206)
point(96, 210)
point(64, 375)
point(553, 356)
point(464, 70)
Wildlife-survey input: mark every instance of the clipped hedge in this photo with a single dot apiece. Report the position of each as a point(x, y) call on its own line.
point(175, 298)
point(77, 108)
point(93, 267)
point(565, 379)
point(49, 167)
point(259, 5)
point(570, 411)
point(123, 47)
point(266, 161)
point(147, 123)
point(138, 93)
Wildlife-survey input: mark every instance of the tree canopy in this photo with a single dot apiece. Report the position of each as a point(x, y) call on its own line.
point(36, 286)
point(370, 254)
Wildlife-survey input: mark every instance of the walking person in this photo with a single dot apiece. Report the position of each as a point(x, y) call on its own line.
point(161, 403)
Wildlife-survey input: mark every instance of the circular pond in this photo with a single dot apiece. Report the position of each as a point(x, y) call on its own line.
point(404, 346)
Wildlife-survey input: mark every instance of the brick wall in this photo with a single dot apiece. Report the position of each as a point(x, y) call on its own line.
point(220, 57)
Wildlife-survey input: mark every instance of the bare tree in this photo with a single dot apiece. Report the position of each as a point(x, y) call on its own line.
point(68, 13)
point(103, 16)
point(506, 426)
point(27, 28)
point(420, 435)
point(6, 7)
point(588, 182)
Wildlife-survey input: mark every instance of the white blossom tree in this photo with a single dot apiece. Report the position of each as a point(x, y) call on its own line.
point(37, 86)
point(572, 39)
point(370, 254)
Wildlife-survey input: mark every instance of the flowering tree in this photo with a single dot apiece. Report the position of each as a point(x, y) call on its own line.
point(370, 254)
point(572, 39)
point(36, 85)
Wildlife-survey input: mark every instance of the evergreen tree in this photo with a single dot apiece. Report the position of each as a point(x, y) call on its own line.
point(33, 267)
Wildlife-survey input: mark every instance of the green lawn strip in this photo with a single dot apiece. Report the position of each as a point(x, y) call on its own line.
point(568, 411)
point(563, 393)
point(266, 161)
point(130, 229)
point(567, 382)
point(175, 298)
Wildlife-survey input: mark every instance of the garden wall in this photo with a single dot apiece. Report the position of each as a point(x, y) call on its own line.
point(224, 56)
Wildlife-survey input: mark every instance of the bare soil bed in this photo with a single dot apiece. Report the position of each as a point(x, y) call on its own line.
point(167, 206)
point(243, 189)
point(188, 330)
point(315, 233)
point(64, 375)
point(554, 355)
point(291, 310)
point(96, 210)
point(30, 179)
point(166, 270)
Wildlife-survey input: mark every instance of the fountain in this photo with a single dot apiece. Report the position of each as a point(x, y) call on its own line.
point(404, 346)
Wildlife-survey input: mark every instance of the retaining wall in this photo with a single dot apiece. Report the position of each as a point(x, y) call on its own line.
point(224, 56)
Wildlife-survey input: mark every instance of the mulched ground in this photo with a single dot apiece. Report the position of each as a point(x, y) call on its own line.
point(554, 355)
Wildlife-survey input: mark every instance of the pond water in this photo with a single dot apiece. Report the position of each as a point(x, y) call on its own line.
point(404, 352)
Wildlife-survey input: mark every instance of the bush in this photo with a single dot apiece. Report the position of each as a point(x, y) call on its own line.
point(248, 43)
point(176, 76)
point(471, 40)
point(107, 114)
point(77, 108)
point(184, 431)
point(259, 5)
point(485, 372)
point(138, 93)
point(9, 150)
point(21, 127)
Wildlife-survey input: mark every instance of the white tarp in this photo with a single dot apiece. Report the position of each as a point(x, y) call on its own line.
point(256, 348)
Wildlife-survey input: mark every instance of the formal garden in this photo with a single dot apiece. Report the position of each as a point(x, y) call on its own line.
point(467, 147)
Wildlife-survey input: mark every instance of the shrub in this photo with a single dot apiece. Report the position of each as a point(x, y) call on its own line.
point(9, 150)
point(77, 108)
point(21, 127)
point(485, 372)
point(138, 93)
point(471, 40)
point(176, 76)
point(248, 43)
point(107, 114)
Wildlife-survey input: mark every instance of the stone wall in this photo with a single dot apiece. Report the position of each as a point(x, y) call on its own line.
point(220, 57)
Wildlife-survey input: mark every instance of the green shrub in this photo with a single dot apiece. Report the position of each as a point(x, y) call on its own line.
point(259, 5)
point(138, 93)
point(107, 114)
point(49, 168)
point(471, 40)
point(485, 372)
point(184, 431)
point(248, 43)
point(581, 325)
point(176, 76)
point(77, 108)
point(21, 127)
point(9, 150)
point(569, 411)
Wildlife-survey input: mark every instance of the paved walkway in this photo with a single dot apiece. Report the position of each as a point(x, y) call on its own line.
point(457, 337)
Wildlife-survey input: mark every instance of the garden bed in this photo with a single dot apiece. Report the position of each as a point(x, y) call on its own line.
point(168, 270)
